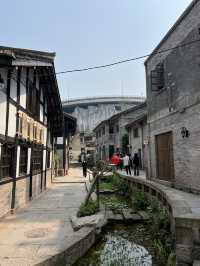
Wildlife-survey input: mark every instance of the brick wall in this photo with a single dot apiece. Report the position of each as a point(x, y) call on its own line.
point(177, 105)
point(186, 150)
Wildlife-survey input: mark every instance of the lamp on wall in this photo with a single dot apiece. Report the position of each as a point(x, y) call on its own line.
point(185, 132)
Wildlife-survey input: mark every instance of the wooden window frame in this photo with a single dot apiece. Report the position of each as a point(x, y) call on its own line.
point(6, 161)
point(37, 159)
point(23, 160)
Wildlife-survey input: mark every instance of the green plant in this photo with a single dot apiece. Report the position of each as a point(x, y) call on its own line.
point(171, 259)
point(120, 184)
point(106, 185)
point(140, 201)
point(89, 209)
point(160, 251)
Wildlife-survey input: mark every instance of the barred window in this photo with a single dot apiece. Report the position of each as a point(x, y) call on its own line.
point(157, 77)
point(37, 155)
point(6, 161)
point(23, 160)
point(135, 133)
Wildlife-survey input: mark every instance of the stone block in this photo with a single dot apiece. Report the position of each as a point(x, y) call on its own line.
point(184, 254)
point(128, 214)
point(144, 215)
point(97, 221)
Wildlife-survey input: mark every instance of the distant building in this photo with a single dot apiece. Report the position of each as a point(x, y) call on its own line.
point(109, 133)
point(89, 112)
point(62, 145)
point(31, 117)
point(138, 137)
point(173, 101)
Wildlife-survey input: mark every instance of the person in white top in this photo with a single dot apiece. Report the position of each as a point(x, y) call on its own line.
point(126, 163)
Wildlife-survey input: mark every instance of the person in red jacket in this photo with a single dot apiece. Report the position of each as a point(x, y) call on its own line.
point(115, 159)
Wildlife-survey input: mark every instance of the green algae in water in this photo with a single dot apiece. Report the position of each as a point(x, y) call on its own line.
point(117, 247)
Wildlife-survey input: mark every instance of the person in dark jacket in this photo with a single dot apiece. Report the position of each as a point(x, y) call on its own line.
point(84, 164)
point(136, 163)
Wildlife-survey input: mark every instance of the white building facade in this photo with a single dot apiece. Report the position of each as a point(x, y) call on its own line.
point(31, 116)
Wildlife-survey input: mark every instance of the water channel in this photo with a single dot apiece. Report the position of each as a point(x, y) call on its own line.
point(122, 245)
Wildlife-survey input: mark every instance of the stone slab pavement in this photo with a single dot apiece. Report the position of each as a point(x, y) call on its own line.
point(42, 229)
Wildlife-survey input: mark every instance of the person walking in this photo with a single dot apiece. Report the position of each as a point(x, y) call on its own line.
point(84, 164)
point(136, 163)
point(126, 162)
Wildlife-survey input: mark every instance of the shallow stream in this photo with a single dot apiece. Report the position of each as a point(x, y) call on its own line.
point(121, 245)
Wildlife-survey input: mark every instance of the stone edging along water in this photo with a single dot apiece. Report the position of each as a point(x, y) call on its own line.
point(183, 210)
point(78, 247)
point(184, 213)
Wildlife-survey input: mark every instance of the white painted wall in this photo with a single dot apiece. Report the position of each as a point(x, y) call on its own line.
point(29, 161)
point(4, 73)
point(50, 159)
point(3, 101)
point(12, 120)
point(13, 85)
point(60, 140)
point(3, 107)
point(41, 96)
point(23, 88)
point(44, 160)
point(45, 136)
point(17, 164)
point(41, 113)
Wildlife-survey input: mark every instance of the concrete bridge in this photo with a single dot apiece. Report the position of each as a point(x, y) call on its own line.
point(92, 110)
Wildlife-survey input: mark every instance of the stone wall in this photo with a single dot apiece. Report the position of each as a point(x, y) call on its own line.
point(36, 185)
point(5, 198)
point(183, 213)
point(22, 192)
point(186, 151)
point(48, 178)
point(177, 104)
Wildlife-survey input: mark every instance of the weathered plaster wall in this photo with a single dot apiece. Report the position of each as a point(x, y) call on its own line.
point(3, 106)
point(177, 105)
point(12, 120)
point(22, 192)
point(5, 198)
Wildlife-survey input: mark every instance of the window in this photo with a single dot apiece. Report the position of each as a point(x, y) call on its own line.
point(117, 128)
point(33, 97)
point(118, 108)
point(37, 155)
point(135, 133)
point(6, 161)
point(23, 160)
point(157, 78)
point(103, 130)
point(111, 130)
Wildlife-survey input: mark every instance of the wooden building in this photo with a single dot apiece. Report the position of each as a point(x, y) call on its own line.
point(62, 145)
point(31, 117)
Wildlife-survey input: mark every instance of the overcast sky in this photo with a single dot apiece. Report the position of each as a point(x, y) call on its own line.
point(91, 32)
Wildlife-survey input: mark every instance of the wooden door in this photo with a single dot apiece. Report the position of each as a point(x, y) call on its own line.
point(165, 158)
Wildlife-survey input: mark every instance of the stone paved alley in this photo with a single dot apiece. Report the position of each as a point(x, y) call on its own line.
point(42, 229)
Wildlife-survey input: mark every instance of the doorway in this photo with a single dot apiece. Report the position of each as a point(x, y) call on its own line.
point(165, 157)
